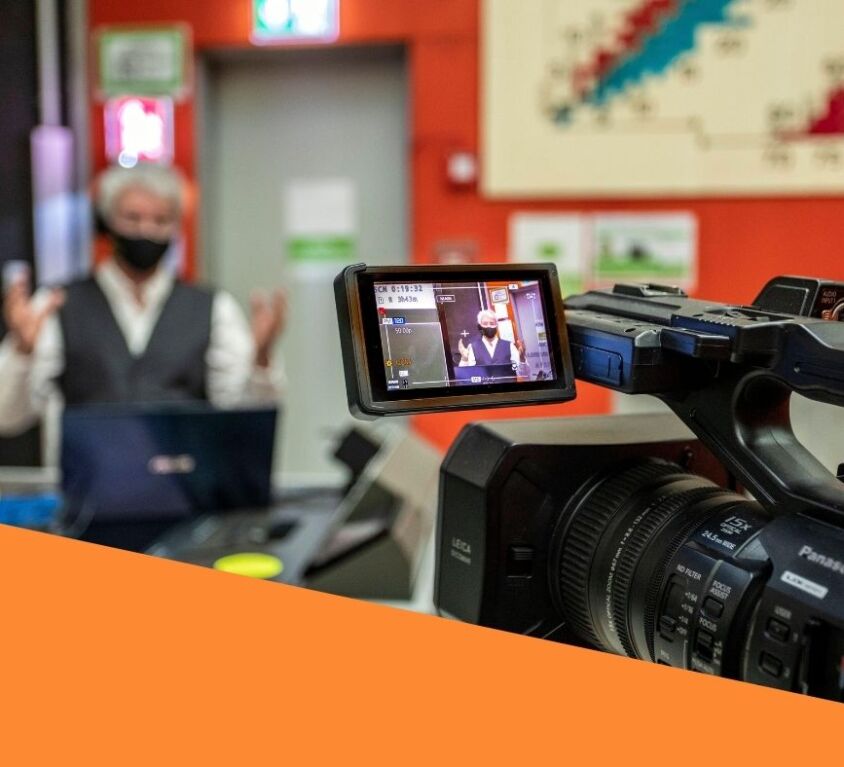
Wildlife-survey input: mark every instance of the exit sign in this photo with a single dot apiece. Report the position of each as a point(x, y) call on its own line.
point(282, 21)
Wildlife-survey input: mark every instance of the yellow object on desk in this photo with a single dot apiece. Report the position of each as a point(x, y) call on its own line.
point(250, 564)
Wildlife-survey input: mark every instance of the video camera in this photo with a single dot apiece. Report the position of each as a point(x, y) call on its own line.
point(623, 533)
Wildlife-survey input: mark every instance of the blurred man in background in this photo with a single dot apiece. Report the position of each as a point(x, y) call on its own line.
point(132, 332)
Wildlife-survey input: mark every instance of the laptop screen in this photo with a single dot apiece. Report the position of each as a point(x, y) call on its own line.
point(167, 461)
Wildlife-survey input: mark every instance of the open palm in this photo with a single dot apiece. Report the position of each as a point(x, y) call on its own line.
point(24, 318)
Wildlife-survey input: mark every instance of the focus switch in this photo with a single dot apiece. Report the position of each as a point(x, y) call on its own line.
point(713, 607)
point(778, 630)
point(703, 647)
point(770, 664)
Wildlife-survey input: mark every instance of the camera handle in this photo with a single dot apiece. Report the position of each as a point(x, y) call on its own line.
point(743, 417)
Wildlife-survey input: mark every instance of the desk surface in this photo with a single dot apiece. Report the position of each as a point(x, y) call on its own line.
point(40, 479)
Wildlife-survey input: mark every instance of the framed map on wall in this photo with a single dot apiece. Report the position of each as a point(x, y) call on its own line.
point(596, 98)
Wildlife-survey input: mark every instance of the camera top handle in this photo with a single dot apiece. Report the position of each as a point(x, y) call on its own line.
point(728, 372)
point(744, 419)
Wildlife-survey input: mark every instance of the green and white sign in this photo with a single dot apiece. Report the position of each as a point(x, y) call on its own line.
point(320, 223)
point(143, 61)
point(321, 248)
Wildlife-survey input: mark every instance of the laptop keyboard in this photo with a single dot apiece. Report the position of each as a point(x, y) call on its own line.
point(239, 528)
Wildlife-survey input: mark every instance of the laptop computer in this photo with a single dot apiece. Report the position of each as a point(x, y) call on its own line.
point(129, 472)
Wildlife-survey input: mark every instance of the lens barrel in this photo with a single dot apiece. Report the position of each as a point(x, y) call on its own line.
point(614, 542)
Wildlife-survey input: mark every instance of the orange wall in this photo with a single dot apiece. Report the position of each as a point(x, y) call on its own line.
point(742, 241)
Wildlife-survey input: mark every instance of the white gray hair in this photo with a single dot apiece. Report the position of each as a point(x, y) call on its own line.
point(163, 182)
point(486, 313)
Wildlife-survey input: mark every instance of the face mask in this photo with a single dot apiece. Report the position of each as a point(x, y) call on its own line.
point(140, 253)
point(488, 332)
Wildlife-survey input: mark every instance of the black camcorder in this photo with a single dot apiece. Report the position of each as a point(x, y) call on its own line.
point(710, 541)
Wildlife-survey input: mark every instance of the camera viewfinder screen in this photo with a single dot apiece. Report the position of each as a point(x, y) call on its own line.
point(438, 335)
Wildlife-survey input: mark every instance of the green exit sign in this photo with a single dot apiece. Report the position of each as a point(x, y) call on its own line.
point(280, 21)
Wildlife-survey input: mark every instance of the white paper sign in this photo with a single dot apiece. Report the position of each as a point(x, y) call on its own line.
point(326, 206)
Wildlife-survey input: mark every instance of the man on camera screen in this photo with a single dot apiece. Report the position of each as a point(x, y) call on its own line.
point(491, 348)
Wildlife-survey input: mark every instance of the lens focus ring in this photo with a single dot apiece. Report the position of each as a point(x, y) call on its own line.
point(641, 536)
point(582, 538)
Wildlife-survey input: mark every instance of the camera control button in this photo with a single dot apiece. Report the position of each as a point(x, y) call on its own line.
point(713, 607)
point(520, 561)
point(778, 630)
point(770, 664)
point(667, 627)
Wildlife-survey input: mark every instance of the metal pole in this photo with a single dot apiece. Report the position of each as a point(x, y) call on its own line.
point(49, 77)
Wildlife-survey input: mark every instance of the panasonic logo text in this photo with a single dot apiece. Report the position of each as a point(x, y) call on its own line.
point(809, 554)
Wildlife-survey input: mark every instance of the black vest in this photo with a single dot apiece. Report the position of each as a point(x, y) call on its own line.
point(483, 357)
point(99, 366)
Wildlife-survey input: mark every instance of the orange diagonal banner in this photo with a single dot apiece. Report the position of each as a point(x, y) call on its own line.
point(116, 658)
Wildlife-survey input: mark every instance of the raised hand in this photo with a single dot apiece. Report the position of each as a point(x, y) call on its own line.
point(464, 351)
point(23, 318)
point(269, 315)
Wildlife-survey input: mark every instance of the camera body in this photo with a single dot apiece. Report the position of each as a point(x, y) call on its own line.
point(666, 566)
point(503, 487)
point(632, 534)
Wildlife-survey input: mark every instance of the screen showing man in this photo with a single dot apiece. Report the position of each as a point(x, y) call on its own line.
point(493, 351)
point(445, 334)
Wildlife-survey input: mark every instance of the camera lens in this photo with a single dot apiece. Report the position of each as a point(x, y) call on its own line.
point(613, 545)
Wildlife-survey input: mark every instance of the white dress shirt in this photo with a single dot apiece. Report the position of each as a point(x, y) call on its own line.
point(28, 388)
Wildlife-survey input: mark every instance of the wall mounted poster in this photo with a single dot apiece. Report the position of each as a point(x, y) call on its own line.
point(597, 250)
point(662, 97)
point(147, 60)
point(659, 248)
